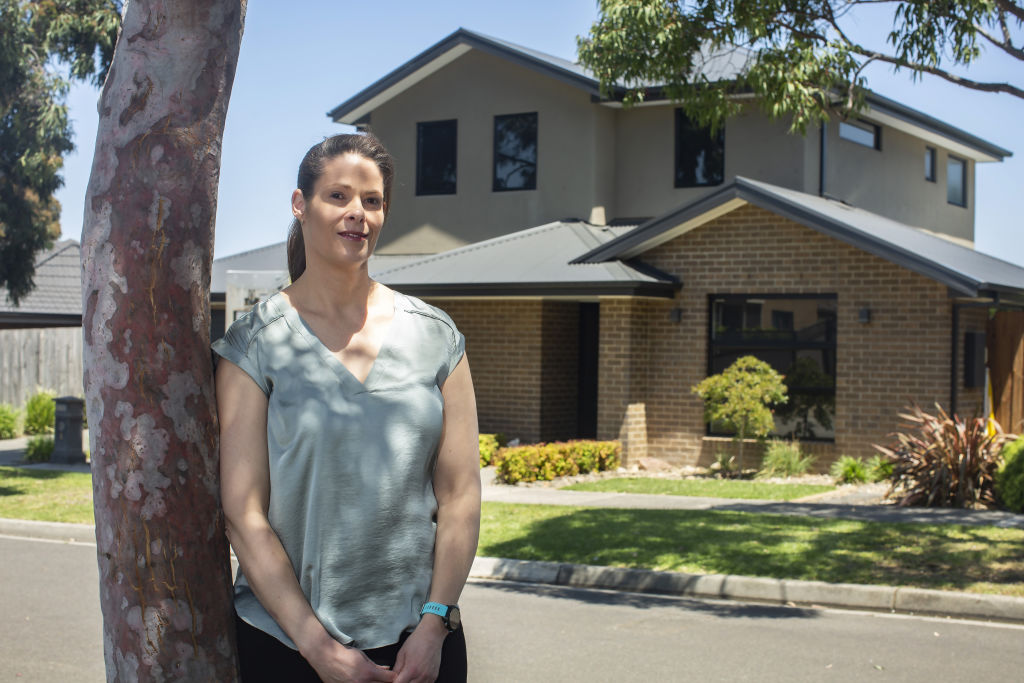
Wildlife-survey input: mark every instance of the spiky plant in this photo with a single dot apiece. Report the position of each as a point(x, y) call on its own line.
point(944, 461)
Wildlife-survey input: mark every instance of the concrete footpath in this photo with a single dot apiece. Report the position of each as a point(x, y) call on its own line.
point(741, 588)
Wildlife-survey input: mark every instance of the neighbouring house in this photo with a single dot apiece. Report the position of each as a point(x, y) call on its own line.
point(41, 339)
point(603, 260)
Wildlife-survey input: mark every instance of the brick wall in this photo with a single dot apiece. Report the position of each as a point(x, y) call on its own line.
point(503, 345)
point(902, 355)
point(524, 359)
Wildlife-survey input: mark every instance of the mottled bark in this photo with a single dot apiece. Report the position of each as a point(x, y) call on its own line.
point(147, 247)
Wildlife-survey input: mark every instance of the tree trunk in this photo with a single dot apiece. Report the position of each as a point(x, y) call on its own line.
point(147, 247)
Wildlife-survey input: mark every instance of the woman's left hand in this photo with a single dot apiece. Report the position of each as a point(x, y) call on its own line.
point(419, 660)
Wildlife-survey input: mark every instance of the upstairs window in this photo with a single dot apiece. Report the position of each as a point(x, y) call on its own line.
point(515, 152)
point(435, 157)
point(956, 181)
point(796, 335)
point(929, 164)
point(700, 155)
point(861, 133)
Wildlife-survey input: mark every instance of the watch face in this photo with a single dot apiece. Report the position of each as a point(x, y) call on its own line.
point(454, 618)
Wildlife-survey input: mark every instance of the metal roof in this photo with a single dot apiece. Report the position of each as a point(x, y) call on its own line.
point(965, 271)
point(275, 257)
point(723, 64)
point(533, 262)
point(56, 300)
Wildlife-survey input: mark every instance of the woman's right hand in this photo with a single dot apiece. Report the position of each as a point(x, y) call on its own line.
point(335, 663)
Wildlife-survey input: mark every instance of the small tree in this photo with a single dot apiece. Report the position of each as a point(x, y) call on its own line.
point(740, 399)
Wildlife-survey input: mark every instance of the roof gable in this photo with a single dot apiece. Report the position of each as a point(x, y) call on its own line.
point(721, 65)
point(965, 271)
point(443, 53)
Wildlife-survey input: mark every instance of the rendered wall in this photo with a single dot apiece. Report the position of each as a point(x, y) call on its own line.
point(574, 156)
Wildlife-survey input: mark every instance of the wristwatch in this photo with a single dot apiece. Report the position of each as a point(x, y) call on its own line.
point(450, 614)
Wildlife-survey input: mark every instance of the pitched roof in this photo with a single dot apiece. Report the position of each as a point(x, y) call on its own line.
point(964, 270)
point(722, 65)
point(275, 257)
point(533, 262)
point(56, 300)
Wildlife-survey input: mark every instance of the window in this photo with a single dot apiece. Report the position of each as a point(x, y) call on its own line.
point(435, 157)
point(929, 164)
point(700, 156)
point(956, 181)
point(515, 152)
point(796, 335)
point(861, 132)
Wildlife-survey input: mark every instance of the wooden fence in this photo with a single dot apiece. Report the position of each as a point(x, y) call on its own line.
point(47, 358)
point(1006, 369)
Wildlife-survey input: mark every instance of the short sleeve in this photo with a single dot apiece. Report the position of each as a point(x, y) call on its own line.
point(458, 350)
point(240, 345)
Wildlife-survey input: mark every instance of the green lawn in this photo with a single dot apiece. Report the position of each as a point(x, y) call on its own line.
point(46, 495)
point(710, 488)
point(978, 559)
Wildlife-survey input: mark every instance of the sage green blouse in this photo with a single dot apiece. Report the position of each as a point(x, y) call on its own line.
point(351, 465)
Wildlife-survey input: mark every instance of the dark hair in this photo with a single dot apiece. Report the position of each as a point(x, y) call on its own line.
point(312, 167)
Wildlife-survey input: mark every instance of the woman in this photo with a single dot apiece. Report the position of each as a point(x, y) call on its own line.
point(349, 466)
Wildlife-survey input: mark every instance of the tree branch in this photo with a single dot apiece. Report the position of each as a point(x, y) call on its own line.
point(1011, 8)
point(1004, 45)
point(941, 73)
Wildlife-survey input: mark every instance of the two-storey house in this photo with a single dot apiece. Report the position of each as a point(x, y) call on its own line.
point(603, 260)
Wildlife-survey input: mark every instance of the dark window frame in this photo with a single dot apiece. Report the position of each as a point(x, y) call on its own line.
point(752, 346)
point(931, 156)
point(862, 125)
point(680, 122)
point(422, 190)
point(495, 187)
point(963, 181)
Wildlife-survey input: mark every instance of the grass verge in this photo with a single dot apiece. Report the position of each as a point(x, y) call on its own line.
point(709, 488)
point(977, 559)
point(948, 557)
point(46, 495)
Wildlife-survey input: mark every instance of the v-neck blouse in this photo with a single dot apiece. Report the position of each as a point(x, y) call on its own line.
point(351, 464)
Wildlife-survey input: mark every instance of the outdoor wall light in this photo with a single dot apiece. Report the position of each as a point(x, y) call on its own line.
point(676, 315)
point(864, 315)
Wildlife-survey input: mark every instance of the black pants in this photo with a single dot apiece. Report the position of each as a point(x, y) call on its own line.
point(265, 659)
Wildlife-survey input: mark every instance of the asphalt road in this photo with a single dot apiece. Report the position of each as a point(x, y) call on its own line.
point(50, 631)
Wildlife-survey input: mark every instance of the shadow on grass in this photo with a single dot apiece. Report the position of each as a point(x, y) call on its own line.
point(725, 609)
point(12, 472)
point(752, 544)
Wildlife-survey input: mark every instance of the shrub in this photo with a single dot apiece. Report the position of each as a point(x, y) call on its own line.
point(39, 449)
point(489, 445)
point(879, 468)
point(725, 465)
point(783, 459)
point(9, 417)
point(740, 399)
point(40, 412)
point(850, 470)
point(944, 461)
point(545, 461)
point(1010, 476)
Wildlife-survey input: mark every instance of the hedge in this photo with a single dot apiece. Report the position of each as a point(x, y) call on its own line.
point(545, 461)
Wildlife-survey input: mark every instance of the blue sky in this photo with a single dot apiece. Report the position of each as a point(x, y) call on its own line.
point(298, 60)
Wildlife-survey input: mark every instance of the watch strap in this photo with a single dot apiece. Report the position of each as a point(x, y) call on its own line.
point(435, 608)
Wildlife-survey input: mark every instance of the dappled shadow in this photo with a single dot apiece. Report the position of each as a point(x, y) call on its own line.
point(882, 513)
point(720, 608)
point(768, 545)
point(8, 491)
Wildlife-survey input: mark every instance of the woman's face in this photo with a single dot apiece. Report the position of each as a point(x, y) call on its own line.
point(343, 218)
